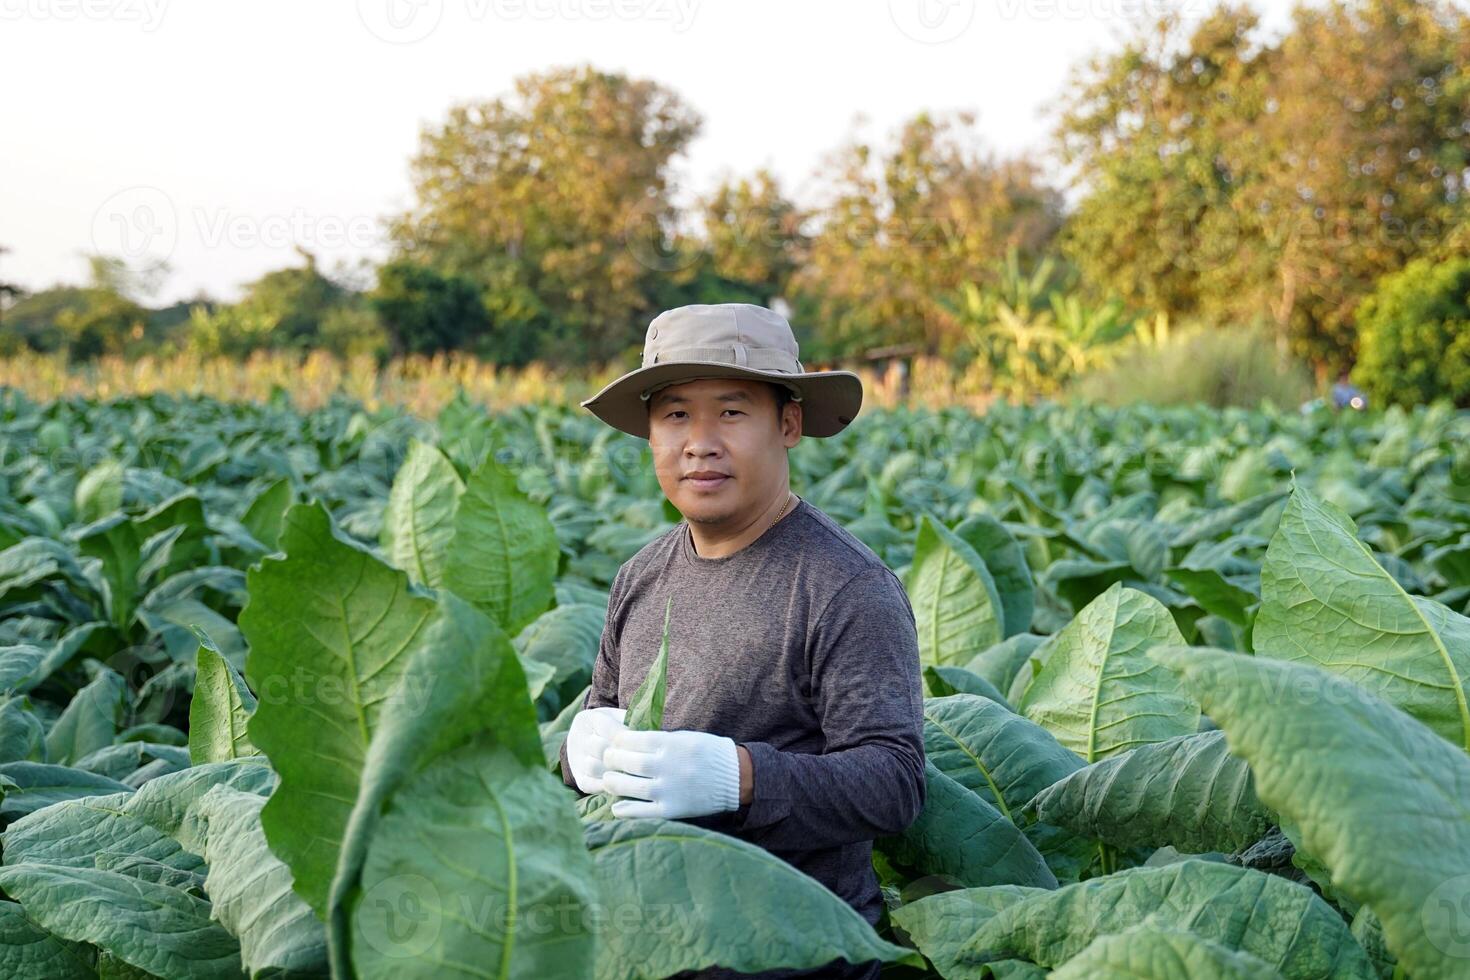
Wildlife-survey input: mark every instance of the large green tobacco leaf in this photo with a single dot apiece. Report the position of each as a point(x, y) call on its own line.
point(484, 851)
point(1000, 664)
point(1367, 929)
point(1220, 582)
point(99, 491)
point(939, 924)
point(503, 555)
point(1285, 924)
point(994, 753)
point(250, 889)
point(144, 824)
point(964, 839)
point(124, 760)
point(134, 551)
point(945, 681)
point(957, 608)
point(1187, 792)
point(554, 732)
point(266, 515)
point(1376, 796)
point(22, 736)
point(1146, 953)
point(29, 563)
point(220, 710)
point(152, 926)
point(1327, 602)
point(91, 720)
point(1097, 692)
point(330, 629)
point(701, 899)
point(122, 872)
point(418, 522)
point(566, 638)
point(473, 710)
point(27, 950)
point(1005, 559)
point(30, 786)
point(1005, 760)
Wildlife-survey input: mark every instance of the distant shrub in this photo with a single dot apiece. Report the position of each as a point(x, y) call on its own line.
point(1219, 366)
point(1414, 335)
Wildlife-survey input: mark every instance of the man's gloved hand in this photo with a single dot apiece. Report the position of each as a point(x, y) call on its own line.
point(591, 733)
point(672, 774)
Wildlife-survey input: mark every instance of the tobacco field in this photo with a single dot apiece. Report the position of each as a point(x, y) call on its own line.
point(282, 695)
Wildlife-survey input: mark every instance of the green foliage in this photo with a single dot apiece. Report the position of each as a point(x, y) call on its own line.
point(1198, 198)
point(426, 312)
point(1032, 332)
point(1234, 366)
point(555, 201)
point(1414, 335)
point(1369, 787)
point(1280, 922)
point(1095, 691)
point(659, 868)
point(1325, 600)
point(906, 224)
point(403, 812)
point(296, 308)
point(1187, 792)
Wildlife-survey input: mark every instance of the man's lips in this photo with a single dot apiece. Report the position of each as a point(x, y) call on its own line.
point(706, 481)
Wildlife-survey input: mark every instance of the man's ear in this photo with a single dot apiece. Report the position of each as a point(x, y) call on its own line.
point(791, 423)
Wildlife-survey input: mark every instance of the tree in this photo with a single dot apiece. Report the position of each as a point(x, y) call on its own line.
point(1233, 178)
point(296, 308)
point(753, 235)
point(105, 320)
point(426, 312)
point(902, 229)
point(295, 300)
point(1360, 164)
point(1416, 335)
point(550, 200)
point(1143, 132)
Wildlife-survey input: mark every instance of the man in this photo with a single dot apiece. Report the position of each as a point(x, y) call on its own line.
point(793, 717)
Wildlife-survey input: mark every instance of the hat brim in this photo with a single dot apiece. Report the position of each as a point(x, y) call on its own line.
point(829, 399)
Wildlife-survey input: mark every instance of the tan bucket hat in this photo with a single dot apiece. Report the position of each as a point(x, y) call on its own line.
point(727, 340)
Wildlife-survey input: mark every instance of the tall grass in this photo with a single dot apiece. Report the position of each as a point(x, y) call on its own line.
point(421, 385)
point(1220, 367)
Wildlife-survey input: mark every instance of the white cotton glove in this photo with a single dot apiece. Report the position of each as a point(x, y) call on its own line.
point(591, 733)
point(672, 774)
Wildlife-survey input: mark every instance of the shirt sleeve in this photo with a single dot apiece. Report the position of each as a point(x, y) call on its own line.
point(869, 782)
point(604, 691)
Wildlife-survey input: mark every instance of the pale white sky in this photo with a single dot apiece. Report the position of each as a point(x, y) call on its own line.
point(215, 133)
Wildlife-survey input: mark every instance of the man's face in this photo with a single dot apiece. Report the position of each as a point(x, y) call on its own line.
point(723, 426)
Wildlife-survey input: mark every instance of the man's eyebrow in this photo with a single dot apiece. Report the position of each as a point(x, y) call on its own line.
point(729, 396)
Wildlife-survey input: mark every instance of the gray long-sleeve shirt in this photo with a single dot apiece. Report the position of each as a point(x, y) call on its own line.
point(802, 647)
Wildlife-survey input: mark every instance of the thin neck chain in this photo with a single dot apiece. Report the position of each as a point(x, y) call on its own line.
point(783, 511)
